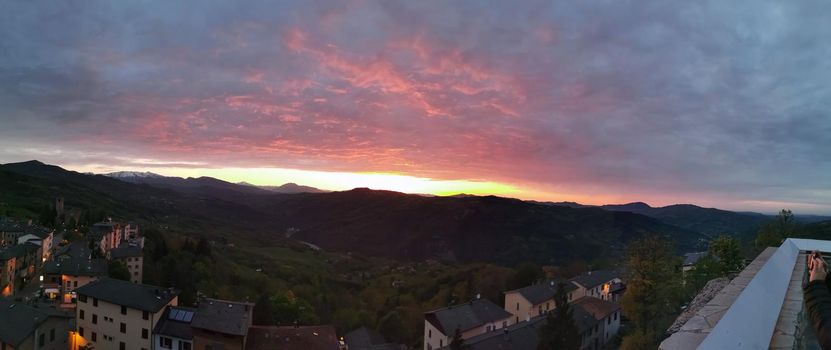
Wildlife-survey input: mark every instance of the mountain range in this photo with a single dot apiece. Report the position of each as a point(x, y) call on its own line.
point(204, 182)
point(371, 222)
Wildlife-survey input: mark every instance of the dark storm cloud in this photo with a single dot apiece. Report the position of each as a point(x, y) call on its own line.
point(724, 103)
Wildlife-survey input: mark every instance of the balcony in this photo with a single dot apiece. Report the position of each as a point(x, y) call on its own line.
point(762, 308)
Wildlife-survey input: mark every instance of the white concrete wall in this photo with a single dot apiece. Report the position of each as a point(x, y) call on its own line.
point(433, 338)
point(108, 328)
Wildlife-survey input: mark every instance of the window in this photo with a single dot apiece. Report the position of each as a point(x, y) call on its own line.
point(94, 319)
point(144, 333)
point(123, 310)
point(185, 346)
point(122, 346)
point(145, 315)
point(94, 301)
point(41, 339)
point(68, 284)
point(441, 343)
point(504, 324)
point(82, 298)
point(81, 314)
point(429, 333)
point(74, 284)
point(81, 331)
point(94, 336)
point(123, 327)
point(165, 342)
point(517, 306)
point(52, 335)
point(615, 315)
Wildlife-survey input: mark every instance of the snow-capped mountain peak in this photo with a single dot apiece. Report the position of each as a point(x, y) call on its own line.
point(133, 174)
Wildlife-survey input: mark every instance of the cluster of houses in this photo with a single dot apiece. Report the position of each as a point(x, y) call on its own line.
point(24, 248)
point(81, 308)
point(594, 297)
point(79, 263)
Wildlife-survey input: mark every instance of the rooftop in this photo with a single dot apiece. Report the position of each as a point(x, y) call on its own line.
point(540, 292)
point(19, 250)
point(126, 251)
point(466, 316)
point(692, 258)
point(76, 266)
point(175, 322)
point(593, 279)
point(291, 338)
point(75, 249)
point(18, 321)
point(137, 296)
point(228, 317)
point(522, 335)
point(363, 338)
point(598, 308)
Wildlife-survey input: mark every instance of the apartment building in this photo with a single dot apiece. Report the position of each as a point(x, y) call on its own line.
point(27, 258)
point(598, 321)
point(7, 275)
point(221, 324)
point(105, 236)
point(535, 300)
point(115, 314)
point(476, 317)
point(24, 326)
point(597, 284)
point(40, 236)
point(132, 257)
point(66, 273)
point(10, 232)
point(173, 331)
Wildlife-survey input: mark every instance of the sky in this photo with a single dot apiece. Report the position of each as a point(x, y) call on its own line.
point(716, 103)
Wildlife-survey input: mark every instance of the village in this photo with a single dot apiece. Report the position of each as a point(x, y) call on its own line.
point(58, 294)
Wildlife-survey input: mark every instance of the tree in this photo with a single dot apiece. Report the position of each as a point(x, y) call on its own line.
point(704, 270)
point(392, 327)
point(48, 214)
point(773, 233)
point(726, 250)
point(526, 274)
point(653, 289)
point(559, 331)
point(188, 246)
point(118, 270)
point(457, 343)
point(203, 248)
point(639, 341)
point(264, 311)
